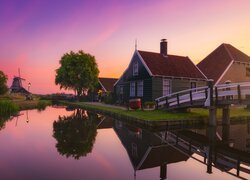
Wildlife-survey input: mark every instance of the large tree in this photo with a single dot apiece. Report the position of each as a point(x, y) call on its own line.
point(78, 72)
point(3, 82)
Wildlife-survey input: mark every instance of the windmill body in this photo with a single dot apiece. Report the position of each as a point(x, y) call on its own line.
point(17, 86)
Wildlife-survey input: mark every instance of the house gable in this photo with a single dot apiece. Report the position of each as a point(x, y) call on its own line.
point(238, 72)
point(143, 71)
point(107, 84)
point(218, 62)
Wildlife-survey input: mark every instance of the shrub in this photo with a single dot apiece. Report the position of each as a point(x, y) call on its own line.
point(41, 105)
point(149, 104)
point(109, 99)
point(8, 108)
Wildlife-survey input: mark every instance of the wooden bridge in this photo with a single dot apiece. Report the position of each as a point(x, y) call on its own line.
point(211, 97)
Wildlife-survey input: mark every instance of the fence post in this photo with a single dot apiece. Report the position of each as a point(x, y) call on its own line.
point(211, 87)
point(178, 100)
point(167, 105)
point(191, 97)
point(239, 94)
point(212, 108)
point(216, 96)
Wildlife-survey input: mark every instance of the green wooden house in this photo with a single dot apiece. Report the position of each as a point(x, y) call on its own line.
point(150, 75)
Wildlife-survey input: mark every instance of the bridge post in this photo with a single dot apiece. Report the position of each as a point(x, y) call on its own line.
point(163, 171)
point(211, 135)
point(212, 108)
point(226, 115)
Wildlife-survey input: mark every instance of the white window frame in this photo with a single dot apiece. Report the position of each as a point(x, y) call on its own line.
point(135, 68)
point(132, 89)
point(121, 90)
point(140, 88)
point(166, 86)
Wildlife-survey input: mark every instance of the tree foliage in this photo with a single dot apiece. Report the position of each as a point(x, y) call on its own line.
point(3, 83)
point(78, 72)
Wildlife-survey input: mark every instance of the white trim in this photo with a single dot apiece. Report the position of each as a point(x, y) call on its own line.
point(126, 68)
point(143, 62)
point(132, 93)
point(102, 86)
point(144, 157)
point(170, 86)
point(176, 77)
point(120, 78)
point(229, 53)
point(224, 72)
point(137, 89)
point(197, 68)
point(135, 68)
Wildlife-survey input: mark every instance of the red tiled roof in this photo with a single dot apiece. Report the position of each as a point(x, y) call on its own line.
point(176, 66)
point(108, 83)
point(216, 62)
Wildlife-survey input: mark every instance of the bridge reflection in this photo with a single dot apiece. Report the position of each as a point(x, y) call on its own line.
point(216, 147)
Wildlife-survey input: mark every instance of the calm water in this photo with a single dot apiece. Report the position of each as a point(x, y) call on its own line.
point(60, 144)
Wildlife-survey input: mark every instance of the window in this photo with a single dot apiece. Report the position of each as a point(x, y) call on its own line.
point(132, 89)
point(166, 88)
point(121, 90)
point(140, 88)
point(135, 69)
point(134, 150)
point(248, 72)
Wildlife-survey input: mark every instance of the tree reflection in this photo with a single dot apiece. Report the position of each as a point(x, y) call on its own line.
point(75, 134)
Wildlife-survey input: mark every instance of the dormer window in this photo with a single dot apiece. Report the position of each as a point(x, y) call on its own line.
point(135, 69)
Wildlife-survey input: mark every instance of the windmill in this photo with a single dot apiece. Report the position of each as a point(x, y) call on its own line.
point(17, 86)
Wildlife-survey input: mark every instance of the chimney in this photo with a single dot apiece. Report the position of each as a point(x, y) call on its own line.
point(164, 47)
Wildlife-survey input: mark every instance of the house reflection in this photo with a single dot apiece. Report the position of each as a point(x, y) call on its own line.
point(146, 150)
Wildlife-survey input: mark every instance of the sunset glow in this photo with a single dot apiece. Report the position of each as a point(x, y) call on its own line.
point(35, 34)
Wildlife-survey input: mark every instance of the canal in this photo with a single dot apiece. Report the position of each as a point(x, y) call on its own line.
point(60, 143)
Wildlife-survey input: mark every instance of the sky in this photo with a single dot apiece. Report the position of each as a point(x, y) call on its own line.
point(34, 34)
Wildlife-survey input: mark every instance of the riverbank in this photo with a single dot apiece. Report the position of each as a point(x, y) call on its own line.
point(20, 101)
point(161, 118)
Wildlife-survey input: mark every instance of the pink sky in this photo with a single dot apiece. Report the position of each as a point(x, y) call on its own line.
point(36, 33)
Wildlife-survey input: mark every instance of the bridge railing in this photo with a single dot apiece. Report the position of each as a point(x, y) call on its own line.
point(232, 91)
point(221, 93)
point(185, 96)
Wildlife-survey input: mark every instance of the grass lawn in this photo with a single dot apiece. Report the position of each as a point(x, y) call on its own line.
point(164, 115)
point(157, 115)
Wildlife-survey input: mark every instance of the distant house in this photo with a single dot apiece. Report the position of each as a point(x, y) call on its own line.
point(226, 63)
point(107, 84)
point(151, 75)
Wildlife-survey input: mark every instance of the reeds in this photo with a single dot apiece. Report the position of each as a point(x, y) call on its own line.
point(7, 108)
point(42, 104)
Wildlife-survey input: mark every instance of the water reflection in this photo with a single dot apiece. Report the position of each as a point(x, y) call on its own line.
point(146, 150)
point(215, 147)
point(120, 150)
point(75, 134)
